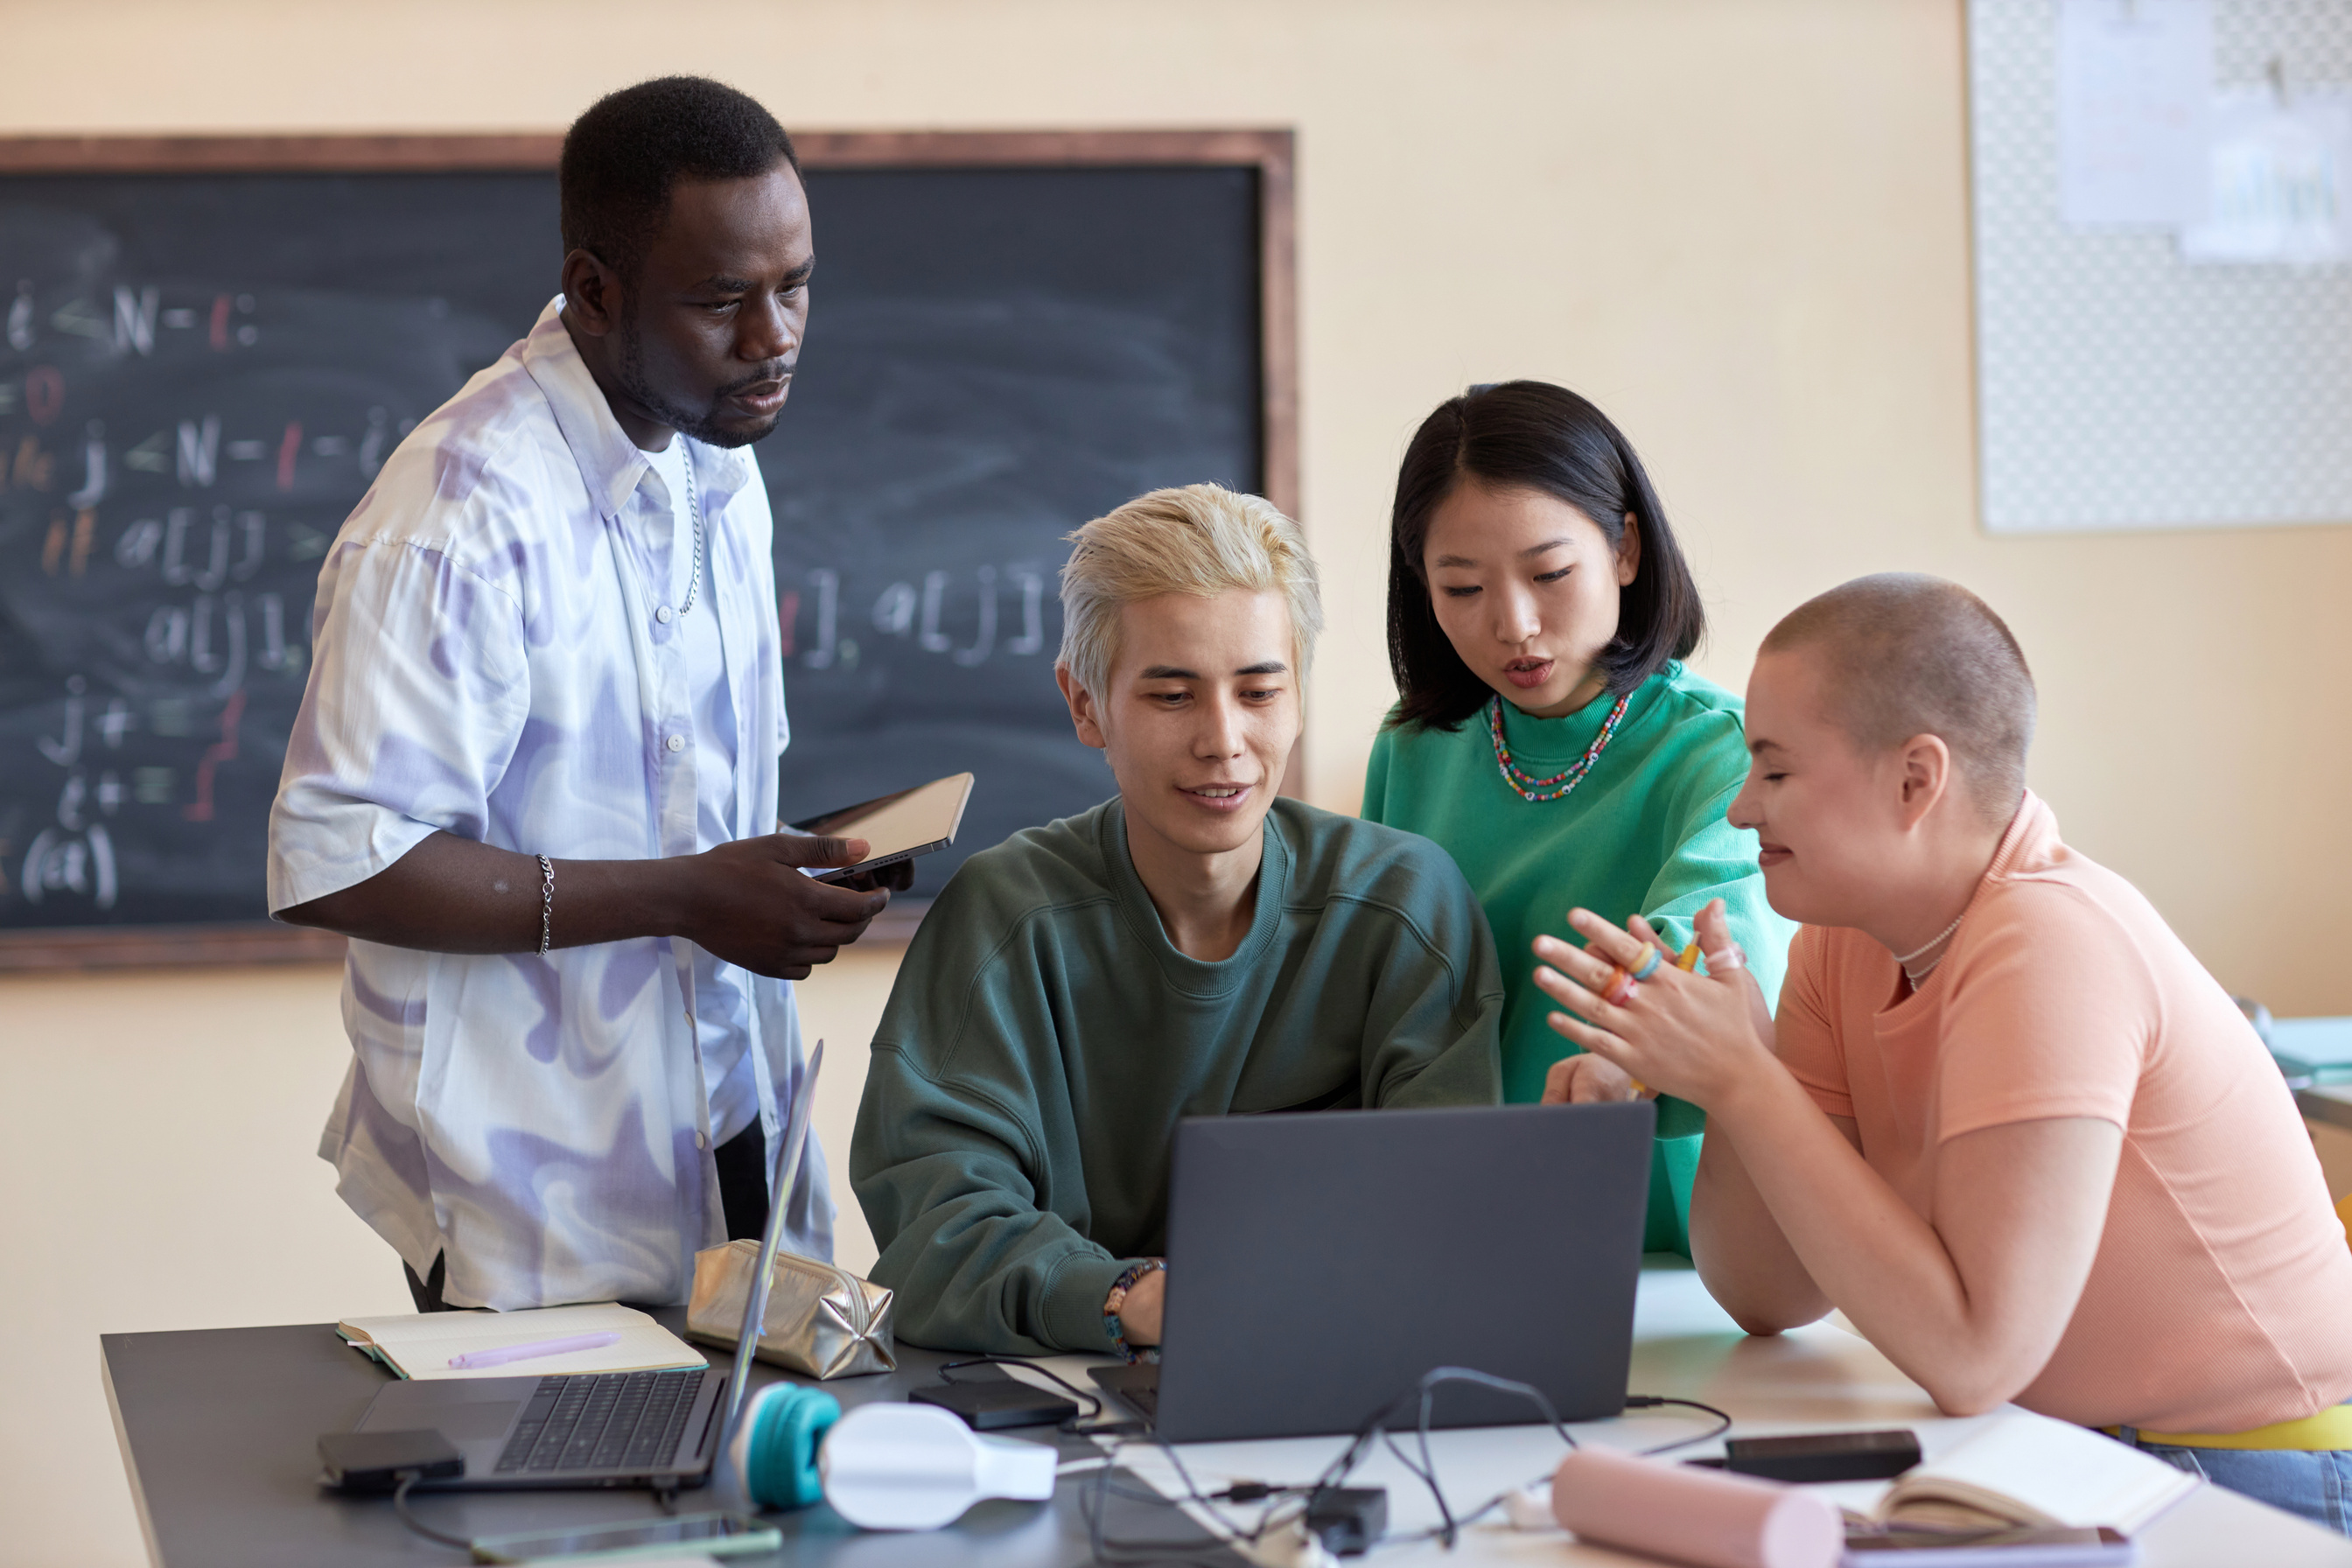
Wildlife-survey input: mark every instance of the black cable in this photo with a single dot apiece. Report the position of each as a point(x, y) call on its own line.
point(1632, 1402)
point(1423, 1393)
point(400, 1506)
point(1448, 1529)
point(1650, 1401)
point(1240, 1492)
point(1427, 1475)
point(1092, 1500)
point(1135, 1553)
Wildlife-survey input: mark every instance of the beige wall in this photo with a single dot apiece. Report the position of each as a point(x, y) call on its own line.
point(1739, 224)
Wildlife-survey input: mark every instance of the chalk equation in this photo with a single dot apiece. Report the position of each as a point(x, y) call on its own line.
point(201, 372)
point(196, 648)
point(999, 601)
point(161, 561)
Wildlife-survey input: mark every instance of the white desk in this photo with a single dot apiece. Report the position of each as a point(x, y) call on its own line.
point(1817, 1378)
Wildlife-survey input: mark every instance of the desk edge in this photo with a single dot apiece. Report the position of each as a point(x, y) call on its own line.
point(130, 1459)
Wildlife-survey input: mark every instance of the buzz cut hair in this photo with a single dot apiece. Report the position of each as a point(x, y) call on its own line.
point(1902, 654)
point(1201, 540)
point(623, 158)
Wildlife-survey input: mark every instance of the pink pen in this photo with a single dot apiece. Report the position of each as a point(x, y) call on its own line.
point(506, 1353)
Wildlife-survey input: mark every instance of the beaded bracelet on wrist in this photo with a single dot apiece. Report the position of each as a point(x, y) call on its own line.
point(1117, 1298)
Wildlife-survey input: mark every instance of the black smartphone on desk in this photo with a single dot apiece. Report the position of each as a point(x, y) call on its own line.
point(1822, 1456)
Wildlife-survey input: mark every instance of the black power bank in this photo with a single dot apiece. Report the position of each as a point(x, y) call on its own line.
point(1823, 1455)
point(990, 1404)
point(376, 1461)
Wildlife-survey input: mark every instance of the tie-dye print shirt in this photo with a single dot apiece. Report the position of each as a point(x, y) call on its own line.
point(490, 662)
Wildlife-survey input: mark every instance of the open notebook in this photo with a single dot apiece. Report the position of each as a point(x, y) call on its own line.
point(420, 1345)
point(2023, 1468)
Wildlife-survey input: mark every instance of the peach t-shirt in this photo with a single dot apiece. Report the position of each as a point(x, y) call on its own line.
point(2221, 1298)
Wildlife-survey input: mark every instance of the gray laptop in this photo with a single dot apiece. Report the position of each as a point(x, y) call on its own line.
point(602, 1429)
point(1318, 1264)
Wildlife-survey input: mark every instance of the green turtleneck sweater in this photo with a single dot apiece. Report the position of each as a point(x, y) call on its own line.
point(1044, 1037)
point(1643, 833)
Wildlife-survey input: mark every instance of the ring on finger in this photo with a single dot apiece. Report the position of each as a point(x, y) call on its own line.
point(1730, 956)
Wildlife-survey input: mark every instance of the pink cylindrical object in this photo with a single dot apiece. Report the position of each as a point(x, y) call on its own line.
point(1703, 1517)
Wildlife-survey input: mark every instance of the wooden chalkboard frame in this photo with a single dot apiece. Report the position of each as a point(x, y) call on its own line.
point(1271, 152)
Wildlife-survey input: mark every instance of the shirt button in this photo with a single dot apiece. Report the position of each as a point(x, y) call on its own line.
point(675, 742)
point(702, 1140)
point(665, 614)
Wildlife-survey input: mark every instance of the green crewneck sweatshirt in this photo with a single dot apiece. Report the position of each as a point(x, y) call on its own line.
point(1642, 834)
point(1044, 1037)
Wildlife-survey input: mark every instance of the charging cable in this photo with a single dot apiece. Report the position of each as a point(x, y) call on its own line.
point(1292, 1503)
point(400, 1506)
point(1092, 1415)
point(1652, 1401)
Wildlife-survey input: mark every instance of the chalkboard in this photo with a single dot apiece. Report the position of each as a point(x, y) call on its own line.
point(209, 347)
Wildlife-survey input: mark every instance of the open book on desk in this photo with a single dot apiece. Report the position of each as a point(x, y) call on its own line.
point(2023, 1468)
point(419, 1345)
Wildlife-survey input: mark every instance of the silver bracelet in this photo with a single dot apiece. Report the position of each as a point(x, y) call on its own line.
point(546, 902)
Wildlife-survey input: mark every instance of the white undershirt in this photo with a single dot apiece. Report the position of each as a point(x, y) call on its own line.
point(722, 993)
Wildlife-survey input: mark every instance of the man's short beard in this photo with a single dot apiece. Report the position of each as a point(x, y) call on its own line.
point(629, 370)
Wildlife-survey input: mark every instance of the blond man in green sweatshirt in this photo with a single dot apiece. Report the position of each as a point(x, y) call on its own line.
point(1194, 946)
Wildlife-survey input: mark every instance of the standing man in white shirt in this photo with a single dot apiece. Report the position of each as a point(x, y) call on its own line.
point(533, 777)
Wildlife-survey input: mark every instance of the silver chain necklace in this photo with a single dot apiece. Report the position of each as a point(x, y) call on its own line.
point(694, 500)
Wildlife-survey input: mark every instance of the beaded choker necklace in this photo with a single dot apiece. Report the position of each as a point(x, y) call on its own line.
point(1559, 784)
point(1907, 959)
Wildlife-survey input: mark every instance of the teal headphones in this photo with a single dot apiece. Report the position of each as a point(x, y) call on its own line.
point(775, 1453)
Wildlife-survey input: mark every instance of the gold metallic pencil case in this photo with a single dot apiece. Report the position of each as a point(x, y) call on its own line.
point(821, 1320)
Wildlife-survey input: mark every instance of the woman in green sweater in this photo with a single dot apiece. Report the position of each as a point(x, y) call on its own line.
point(1545, 732)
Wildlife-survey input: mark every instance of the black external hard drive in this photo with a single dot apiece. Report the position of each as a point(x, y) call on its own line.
point(376, 1461)
point(988, 1405)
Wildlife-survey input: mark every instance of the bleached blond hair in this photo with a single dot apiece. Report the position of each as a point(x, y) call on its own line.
point(1202, 540)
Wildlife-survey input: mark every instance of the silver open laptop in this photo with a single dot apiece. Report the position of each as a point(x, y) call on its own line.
point(603, 1429)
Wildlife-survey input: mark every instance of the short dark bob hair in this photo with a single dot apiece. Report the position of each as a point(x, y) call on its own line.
point(622, 158)
point(1529, 435)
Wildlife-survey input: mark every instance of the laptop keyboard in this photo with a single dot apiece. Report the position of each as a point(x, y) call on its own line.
point(601, 1421)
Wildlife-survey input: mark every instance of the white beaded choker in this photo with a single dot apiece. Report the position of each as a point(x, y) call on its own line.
point(1907, 959)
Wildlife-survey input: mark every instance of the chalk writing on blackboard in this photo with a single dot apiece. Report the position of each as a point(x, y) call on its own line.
point(1016, 595)
point(174, 459)
point(200, 373)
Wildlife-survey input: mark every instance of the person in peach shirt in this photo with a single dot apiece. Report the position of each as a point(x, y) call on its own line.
point(2005, 1121)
